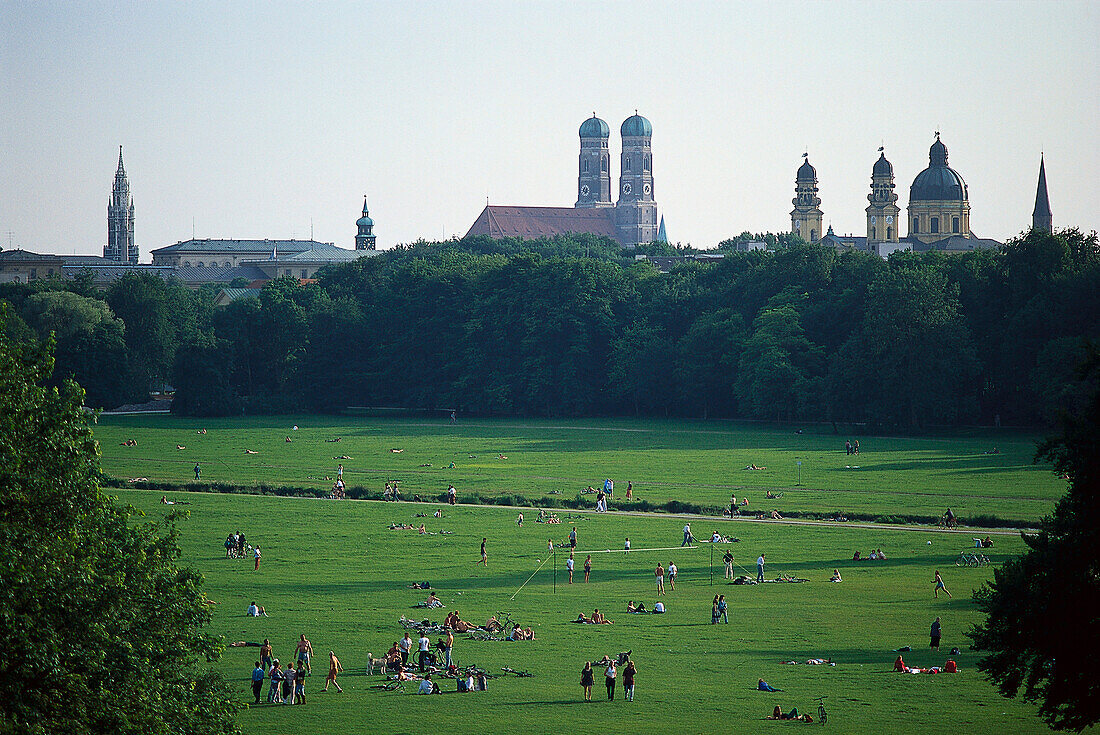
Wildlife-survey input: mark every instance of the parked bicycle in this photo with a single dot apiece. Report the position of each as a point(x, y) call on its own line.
point(972, 559)
point(822, 716)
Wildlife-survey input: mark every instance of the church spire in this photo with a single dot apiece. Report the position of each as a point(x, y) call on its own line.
point(121, 169)
point(1041, 218)
point(120, 219)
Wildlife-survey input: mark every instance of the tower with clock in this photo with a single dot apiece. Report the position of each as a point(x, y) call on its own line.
point(636, 209)
point(594, 175)
point(807, 215)
point(883, 211)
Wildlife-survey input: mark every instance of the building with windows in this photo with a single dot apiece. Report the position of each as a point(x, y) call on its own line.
point(631, 220)
point(938, 216)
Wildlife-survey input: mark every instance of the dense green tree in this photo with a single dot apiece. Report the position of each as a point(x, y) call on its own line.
point(102, 628)
point(1040, 631)
point(778, 374)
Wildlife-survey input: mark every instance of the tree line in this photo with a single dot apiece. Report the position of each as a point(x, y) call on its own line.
point(575, 326)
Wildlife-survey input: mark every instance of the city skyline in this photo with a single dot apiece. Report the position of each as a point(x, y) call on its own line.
point(241, 124)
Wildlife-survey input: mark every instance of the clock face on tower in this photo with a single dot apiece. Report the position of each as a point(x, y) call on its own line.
point(585, 190)
point(889, 219)
point(627, 188)
point(647, 188)
point(873, 219)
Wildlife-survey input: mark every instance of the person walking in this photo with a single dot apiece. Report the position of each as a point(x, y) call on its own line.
point(334, 668)
point(628, 680)
point(626, 546)
point(484, 556)
point(629, 493)
point(714, 611)
point(938, 581)
point(728, 559)
point(659, 572)
point(587, 680)
point(290, 680)
point(425, 646)
point(569, 567)
point(198, 472)
point(848, 447)
point(587, 567)
point(265, 655)
point(452, 494)
point(609, 679)
point(256, 555)
point(573, 538)
point(687, 536)
point(304, 651)
point(760, 569)
point(257, 682)
point(672, 572)
point(934, 634)
point(722, 609)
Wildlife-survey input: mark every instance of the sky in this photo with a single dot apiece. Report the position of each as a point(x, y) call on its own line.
point(273, 119)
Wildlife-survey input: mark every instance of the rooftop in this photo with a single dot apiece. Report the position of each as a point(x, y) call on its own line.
point(531, 223)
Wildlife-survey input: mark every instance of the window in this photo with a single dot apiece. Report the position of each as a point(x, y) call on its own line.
point(305, 273)
point(916, 225)
point(645, 163)
point(288, 272)
point(626, 163)
point(187, 264)
point(34, 274)
point(874, 233)
point(603, 164)
point(813, 235)
point(228, 264)
point(585, 165)
point(889, 233)
point(954, 224)
point(200, 264)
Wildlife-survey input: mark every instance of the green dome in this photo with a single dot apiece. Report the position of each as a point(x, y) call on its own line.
point(594, 127)
point(364, 221)
point(636, 126)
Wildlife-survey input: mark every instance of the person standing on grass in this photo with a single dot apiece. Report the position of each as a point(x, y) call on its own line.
point(760, 569)
point(265, 655)
point(289, 682)
point(300, 687)
point(722, 609)
point(938, 581)
point(425, 646)
point(672, 572)
point(628, 680)
point(587, 680)
point(569, 567)
point(659, 572)
point(629, 495)
point(728, 559)
point(934, 634)
point(587, 567)
point(573, 538)
point(198, 472)
point(452, 494)
point(484, 556)
point(257, 682)
point(404, 646)
point(256, 554)
point(276, 676)
point(714, 611)
point(304, 652)
point(626, 546)
point(334, 668)
point(609, 679)
point(447, 646)
point(687, 535)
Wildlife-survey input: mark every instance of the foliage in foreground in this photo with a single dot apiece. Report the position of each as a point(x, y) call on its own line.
point(1041, 631)
point(101, 627)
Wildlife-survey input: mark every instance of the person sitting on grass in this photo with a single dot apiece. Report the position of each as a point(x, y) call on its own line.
point(599, 619)
point(659, 608)
point(899, 665)
point(432, 602)
point(427, 686)
point(256, 611)
point(881, 555)
point(492, 625)
point(836, 576)
point(855, 556)
point(764, 686)
point(776, 516)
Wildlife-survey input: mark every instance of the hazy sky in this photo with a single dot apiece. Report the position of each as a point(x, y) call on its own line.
point(252, 119)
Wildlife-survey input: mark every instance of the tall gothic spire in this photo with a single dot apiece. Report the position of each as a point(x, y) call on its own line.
point(121, 169)
point(1041, 218)
point(120, 219)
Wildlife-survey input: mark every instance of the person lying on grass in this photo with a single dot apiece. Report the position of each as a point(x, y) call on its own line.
point(632, 608)
point(764, 686)
point(521, 634)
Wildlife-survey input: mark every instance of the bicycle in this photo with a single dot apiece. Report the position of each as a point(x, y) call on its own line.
point(971, 559)
point(821, 714)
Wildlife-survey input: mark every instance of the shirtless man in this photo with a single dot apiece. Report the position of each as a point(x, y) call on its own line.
point(304, 652)
point(659, 573)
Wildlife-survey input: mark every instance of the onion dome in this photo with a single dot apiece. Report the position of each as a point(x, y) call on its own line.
point(594, 127)
point(636, 126)
point(938, 182)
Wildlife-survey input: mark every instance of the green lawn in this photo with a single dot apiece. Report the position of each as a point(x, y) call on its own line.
point(332, 570)
point(693, 461)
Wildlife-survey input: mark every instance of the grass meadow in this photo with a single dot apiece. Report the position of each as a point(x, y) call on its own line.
point(700, 462)
point(333, 570)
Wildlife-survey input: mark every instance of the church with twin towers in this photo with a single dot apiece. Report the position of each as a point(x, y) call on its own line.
point(630, 219)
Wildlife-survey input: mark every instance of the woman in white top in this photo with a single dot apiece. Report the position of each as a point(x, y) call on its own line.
point(609, 678)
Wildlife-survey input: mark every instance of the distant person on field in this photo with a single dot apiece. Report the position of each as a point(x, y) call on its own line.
point(573, 538)
point(257, 682)
point(728, 559)
point(659, 573)
point(760, 569)
point(938, 581)
point(256, 554)
point(569, 567)
point(687, 535)
point(334, 668)
point(628, 680)
point(722, 609)
point(304, 651)
point(934, 635)
point(672, 572)
point(484, 555)
point(587, 567)
point(587, 680)
point(198, 472)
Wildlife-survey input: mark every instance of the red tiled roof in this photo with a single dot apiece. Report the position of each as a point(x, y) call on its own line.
point(530, 223)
